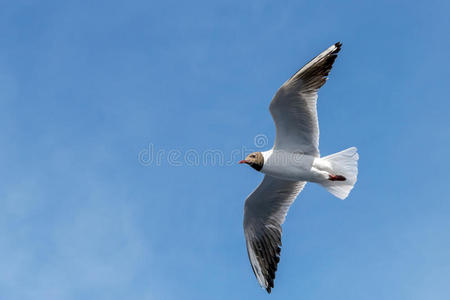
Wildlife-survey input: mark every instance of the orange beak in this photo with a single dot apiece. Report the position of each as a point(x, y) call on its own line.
point(243, 162)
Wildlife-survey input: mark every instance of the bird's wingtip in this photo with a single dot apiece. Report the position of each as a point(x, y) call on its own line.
point(338, 46)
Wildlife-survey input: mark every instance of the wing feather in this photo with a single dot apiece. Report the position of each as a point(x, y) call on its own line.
point(294, 109)
point(264, 213)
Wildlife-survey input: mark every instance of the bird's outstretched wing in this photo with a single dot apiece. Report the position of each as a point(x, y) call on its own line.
point(293, 107)
point(264, 213)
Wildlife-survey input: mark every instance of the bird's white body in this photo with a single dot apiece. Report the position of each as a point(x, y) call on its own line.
point(295, 166)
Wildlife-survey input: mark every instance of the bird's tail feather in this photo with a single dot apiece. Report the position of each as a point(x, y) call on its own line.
point(343, 163)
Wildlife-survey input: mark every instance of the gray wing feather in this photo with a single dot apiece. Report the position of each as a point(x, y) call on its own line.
point(294, 109)
point(264, 213)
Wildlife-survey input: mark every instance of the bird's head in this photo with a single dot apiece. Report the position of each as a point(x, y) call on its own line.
point(254, 160)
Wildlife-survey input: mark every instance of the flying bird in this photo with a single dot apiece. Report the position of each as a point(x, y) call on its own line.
point(293, 161)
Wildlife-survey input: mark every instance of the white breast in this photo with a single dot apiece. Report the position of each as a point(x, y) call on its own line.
point(286, 165)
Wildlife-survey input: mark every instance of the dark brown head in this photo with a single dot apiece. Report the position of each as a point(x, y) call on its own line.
point(254, 160)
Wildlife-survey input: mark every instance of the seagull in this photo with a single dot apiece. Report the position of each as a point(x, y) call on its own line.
point(293, 161)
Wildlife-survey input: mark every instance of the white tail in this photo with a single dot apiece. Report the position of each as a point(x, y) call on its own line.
point(343, 163)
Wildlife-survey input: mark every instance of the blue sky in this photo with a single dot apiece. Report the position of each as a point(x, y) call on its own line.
point(86, 87)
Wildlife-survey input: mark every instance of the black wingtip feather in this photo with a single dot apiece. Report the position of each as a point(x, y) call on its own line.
point(313, 76)
point(338, 46)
